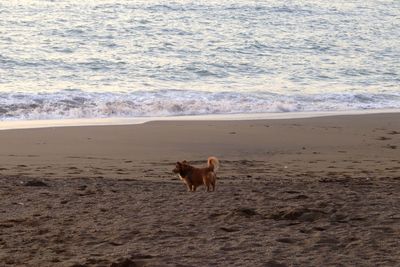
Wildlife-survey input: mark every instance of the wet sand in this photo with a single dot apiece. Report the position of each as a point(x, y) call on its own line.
point(299, 192)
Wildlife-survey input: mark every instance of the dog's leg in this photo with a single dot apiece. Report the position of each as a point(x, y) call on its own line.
point(188, 185)
point(213, 181)
point(206, 183)
point(189, 188)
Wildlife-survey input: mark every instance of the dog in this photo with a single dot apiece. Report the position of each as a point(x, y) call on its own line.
point(194, 177)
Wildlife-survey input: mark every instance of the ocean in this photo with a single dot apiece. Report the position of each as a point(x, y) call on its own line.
point(134, 59)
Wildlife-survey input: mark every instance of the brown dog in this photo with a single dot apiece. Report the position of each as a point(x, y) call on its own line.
point(194, 177)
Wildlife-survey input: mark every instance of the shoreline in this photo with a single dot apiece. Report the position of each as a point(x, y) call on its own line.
point(188, 139)
point(33, 124)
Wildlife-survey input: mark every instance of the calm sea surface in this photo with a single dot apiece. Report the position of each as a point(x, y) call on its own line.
point(95, 59)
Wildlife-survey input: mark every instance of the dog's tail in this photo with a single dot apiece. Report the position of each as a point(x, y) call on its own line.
point(213, 163)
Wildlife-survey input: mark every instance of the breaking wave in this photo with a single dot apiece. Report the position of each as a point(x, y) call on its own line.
point(68, 104)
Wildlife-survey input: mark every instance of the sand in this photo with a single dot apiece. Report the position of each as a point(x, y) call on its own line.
point(297, 192)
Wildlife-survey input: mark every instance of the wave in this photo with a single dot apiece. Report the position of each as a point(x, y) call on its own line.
point(69, 104)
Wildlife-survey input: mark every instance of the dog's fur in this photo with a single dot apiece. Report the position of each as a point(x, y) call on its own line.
point(194, 177)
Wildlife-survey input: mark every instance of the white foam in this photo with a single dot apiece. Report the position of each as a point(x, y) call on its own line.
point(76, 104)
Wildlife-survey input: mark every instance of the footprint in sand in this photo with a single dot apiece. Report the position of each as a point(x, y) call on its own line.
point(21, 166)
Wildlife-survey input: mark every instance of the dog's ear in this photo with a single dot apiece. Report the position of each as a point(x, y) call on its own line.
point(184, 162)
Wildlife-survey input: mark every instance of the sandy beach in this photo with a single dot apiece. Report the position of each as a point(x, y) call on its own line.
point(296, 192)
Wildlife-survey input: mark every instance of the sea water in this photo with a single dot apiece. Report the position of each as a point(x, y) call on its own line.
point(132, 59)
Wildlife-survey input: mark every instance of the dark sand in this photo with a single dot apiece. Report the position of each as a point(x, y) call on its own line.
point(304, 192)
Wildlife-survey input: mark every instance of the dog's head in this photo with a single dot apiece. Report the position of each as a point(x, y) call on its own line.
point(181, 167)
